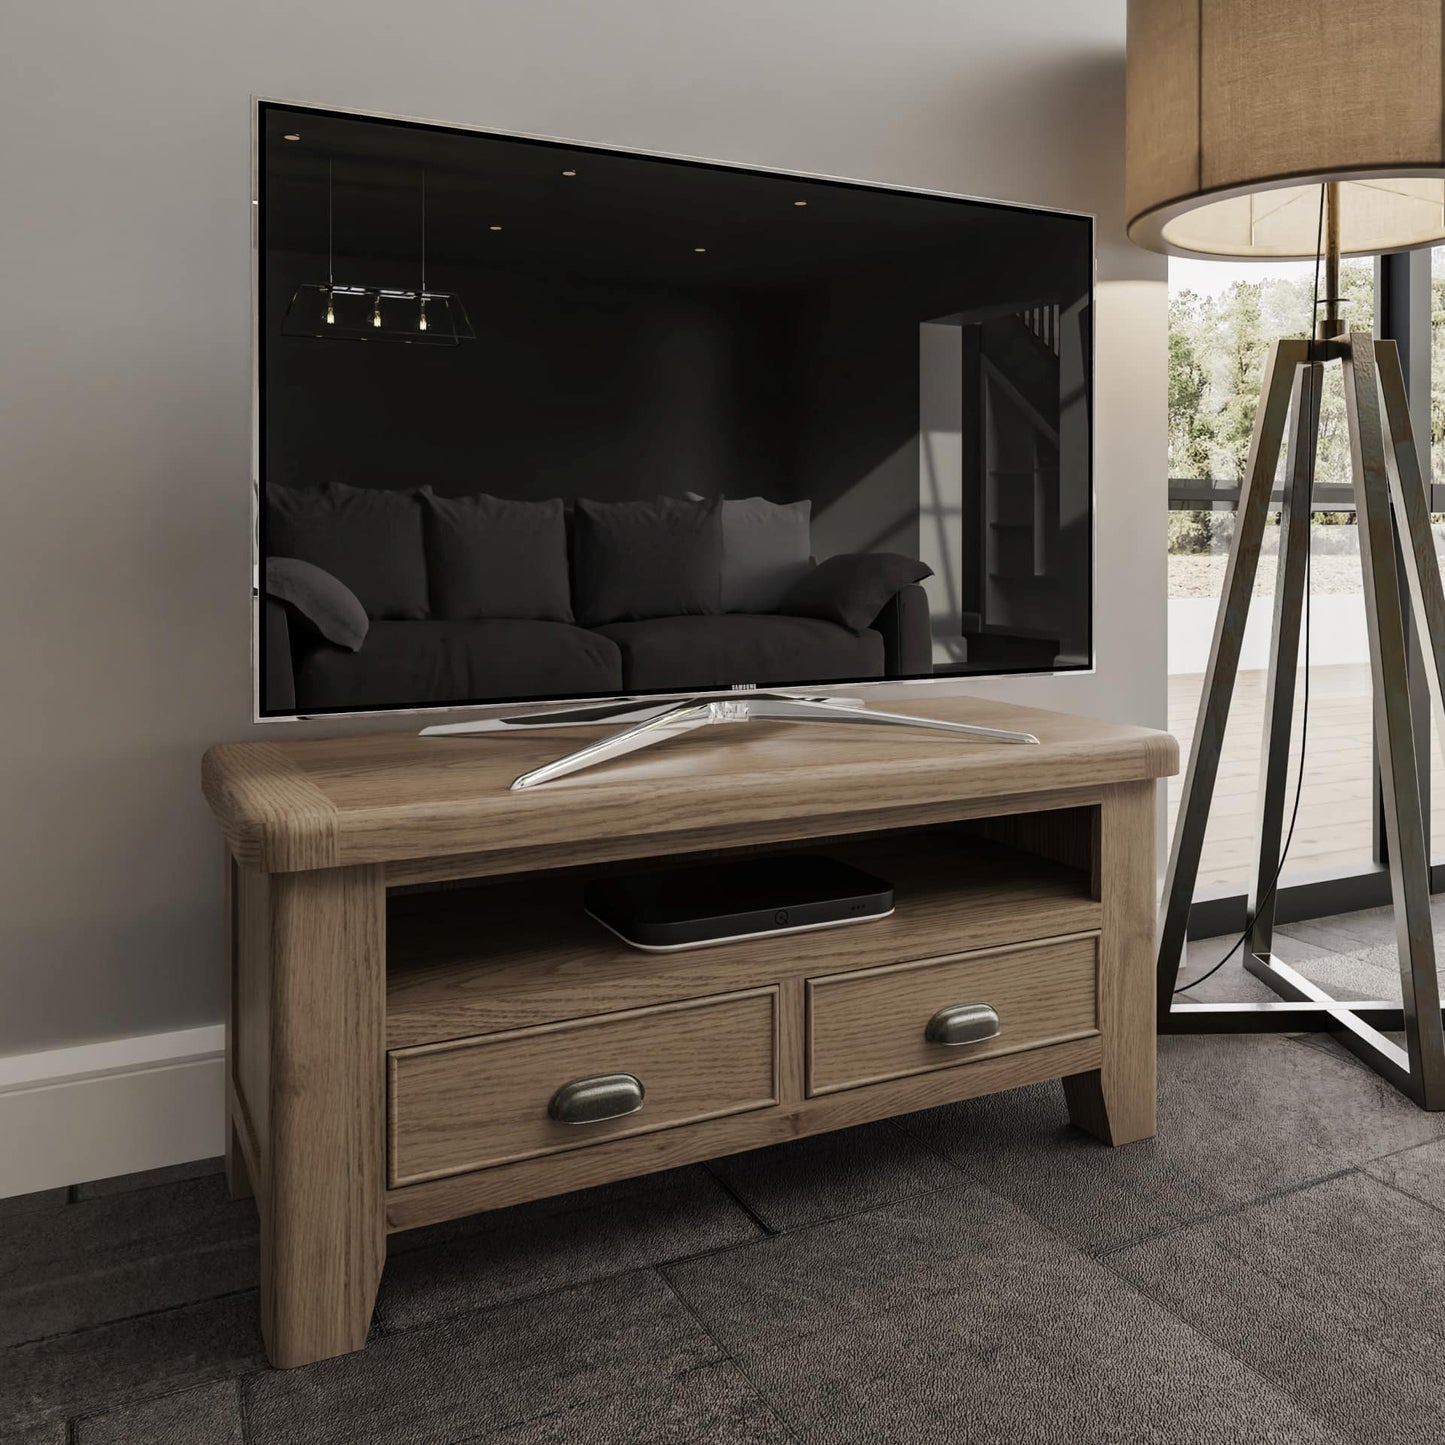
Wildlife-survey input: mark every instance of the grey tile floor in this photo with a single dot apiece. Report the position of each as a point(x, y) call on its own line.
point(1270, 1268)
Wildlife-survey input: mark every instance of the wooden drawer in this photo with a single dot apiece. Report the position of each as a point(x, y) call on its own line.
point(470, 1103)
point(869, 1025)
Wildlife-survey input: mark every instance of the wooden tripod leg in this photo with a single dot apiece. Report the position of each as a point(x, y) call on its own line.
point(1289, 594)
point(1405, 830)
point(1269, 421)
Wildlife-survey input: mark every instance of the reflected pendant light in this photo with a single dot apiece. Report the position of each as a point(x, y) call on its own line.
point(328, 312)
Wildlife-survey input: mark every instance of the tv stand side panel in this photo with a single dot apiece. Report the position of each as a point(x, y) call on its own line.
point(1117, 1102)
point(306, 1098)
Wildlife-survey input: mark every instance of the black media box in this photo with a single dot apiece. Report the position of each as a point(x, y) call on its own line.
point(712, 903)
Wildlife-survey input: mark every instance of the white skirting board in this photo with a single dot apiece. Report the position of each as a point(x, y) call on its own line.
point(71, 1115)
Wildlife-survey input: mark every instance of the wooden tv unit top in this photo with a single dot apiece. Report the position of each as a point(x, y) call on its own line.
point(394, 1046)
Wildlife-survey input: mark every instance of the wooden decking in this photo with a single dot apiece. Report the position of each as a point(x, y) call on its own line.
point(1333, 831)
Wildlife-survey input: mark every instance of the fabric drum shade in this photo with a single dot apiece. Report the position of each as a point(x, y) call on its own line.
point(1239, 109)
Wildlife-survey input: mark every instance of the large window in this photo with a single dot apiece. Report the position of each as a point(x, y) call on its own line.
point(1222, 318)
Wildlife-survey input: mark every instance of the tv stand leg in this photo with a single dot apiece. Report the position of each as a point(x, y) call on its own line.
point(769, 707)
point(323, 1230)
point(1117, 1102)
point(238, 1179)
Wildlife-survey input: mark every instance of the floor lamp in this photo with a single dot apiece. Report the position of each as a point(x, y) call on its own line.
point(1307, 129)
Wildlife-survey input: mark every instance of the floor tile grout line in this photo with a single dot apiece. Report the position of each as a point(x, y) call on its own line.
point(1406, 1193)
point(387, 1331)
point(129, 1319)
point(926, 1146)
point(1248, 1366)
point(154, 1256)
point(615, 1395)
point(384, 1331)
point(1404, 1149)
point(727, 1354)
point(1043, 1224)
point(726, 1186)
point(105, 1405)
point(875, 1206)
point(1164, 1233)
point(961, 1178)
point(672, 1289)
point(243, 1413)
point(1272, 1196)
point(239, 1378)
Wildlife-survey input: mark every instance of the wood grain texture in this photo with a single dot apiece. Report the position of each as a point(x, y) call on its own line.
point(868, 1026)
point(238, 1177)
point(320, 829)
point(442, 1199)
point(1065, 835)
point(393, 797)
point(476, 961)
point(702, 842)
point(1117, 1103)
point(483, 1102)
point(266, 805)
point(248, 1043)
point(238, 1182)
point(792, 1040)
point(243, 1155)
point(323, 1243)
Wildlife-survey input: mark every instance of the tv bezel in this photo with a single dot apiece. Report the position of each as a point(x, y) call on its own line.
point(494, 707)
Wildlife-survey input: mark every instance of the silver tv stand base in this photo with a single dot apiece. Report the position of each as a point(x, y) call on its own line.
point(654, 722)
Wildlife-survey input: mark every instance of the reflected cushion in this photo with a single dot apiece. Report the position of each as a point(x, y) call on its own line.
point(667, 653)
point(656, 558)
point(853, 588)
point(490, 557)
point(324, 601)
point(369, 538)
point(428, 663)
point(766, 548)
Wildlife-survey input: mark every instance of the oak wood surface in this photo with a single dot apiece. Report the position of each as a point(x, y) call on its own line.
point(323, 831)
point(475, 961)
point(482, 1102)
point(248, 1049)
point(442, 1199)
point(238, 1178)
point(792, 1040)
point(868, 1026)
point(701, 842)
point(1118, 1102)
point(1063, 834)
point(323, 1236)
point(390, 797)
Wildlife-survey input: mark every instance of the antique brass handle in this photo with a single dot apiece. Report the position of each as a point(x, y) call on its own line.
point(962, 1023)
point(590, 1101)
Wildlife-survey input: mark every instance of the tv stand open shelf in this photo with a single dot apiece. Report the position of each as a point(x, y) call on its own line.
point(413, 978)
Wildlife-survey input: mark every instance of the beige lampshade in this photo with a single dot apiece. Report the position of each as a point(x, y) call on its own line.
point(1239, 109)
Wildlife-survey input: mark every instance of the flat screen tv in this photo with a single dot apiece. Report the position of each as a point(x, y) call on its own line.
point(543, 421)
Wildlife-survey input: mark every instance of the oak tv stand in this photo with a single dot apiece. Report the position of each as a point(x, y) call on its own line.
point(414, 984)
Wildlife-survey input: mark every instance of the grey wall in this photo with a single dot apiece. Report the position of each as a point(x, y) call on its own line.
point(125, 375)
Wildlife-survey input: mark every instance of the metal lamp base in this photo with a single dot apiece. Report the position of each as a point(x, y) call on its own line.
point(1403, 599)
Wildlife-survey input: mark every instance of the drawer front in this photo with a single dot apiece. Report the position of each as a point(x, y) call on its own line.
point(471, 1103)
point(871, 1025)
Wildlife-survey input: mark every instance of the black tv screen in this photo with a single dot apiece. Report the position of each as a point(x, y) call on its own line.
point(543, 421)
